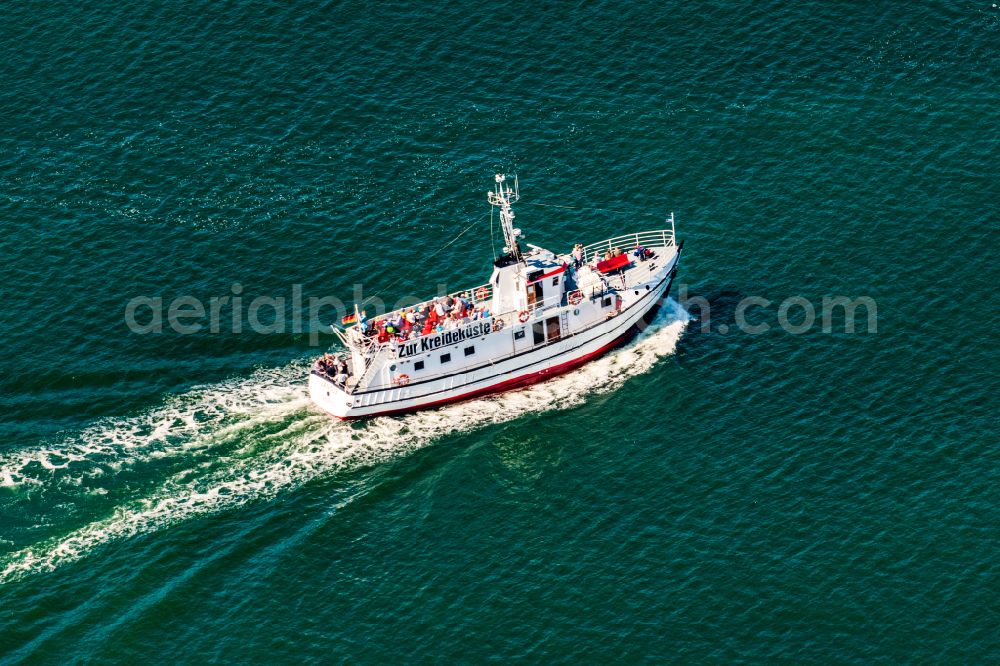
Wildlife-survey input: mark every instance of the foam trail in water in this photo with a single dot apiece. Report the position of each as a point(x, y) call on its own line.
point(310, 445)
point(193, 420)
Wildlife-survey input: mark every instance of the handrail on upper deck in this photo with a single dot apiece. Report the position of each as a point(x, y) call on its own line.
point(479, 295)
point(659, 237)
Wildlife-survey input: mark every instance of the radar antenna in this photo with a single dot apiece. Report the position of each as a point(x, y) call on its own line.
point(502, 197)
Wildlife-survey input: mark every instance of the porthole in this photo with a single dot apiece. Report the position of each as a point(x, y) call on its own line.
point(636, 292)
point(647, 287)
point(392, 368)
point(576, 312)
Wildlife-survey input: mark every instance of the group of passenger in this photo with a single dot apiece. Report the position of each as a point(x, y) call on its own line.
point(643, 253)
point(611, 254)
point(579, 258)
point(335, 368)
point(441, 314)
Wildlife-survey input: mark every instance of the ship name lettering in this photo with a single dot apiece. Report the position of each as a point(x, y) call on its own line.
point(432, 342)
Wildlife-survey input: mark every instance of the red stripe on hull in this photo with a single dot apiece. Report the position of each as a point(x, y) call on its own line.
point(508, 385)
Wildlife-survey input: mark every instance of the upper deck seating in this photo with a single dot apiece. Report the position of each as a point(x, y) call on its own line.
point(614, 263)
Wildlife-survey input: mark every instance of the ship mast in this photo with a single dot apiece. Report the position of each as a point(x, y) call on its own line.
point(502, 197)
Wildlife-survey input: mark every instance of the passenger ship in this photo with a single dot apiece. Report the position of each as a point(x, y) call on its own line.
point(541, 314)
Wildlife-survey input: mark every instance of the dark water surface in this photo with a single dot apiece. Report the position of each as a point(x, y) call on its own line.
point(699, 496)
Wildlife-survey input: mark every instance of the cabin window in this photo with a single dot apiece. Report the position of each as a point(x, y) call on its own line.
point(535, 293)
point(552, 323)
point(555, 281)
point(519, 334)
point(469, 351)
point(606, 302)
point(538, 330)
point(445, 358)
point(418, 365)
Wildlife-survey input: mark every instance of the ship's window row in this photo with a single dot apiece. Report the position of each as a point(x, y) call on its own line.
point(445, 358)
point(418, 365)
point(469, 351)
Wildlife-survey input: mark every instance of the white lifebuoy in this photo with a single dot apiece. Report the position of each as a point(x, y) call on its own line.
point(523, 316)
point(403, 380)
point(575, 297)
point(482, 294)
point(497, 325)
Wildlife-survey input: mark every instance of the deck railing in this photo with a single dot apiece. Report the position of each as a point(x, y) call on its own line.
point(477, 295)
point(658, 238)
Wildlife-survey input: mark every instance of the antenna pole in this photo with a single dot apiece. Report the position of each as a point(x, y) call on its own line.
point(502, 197)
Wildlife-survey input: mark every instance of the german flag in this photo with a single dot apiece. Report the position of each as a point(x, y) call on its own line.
point(349, 319)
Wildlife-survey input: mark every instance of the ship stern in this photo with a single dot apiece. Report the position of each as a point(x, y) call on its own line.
point(328, 396)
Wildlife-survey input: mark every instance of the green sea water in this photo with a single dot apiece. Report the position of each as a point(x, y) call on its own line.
point(702, 495)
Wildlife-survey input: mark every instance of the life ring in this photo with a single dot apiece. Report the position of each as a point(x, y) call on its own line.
point(523, 316)
point(497, 325)
point(482, 294)
point(403, 380)
point(575, 297)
